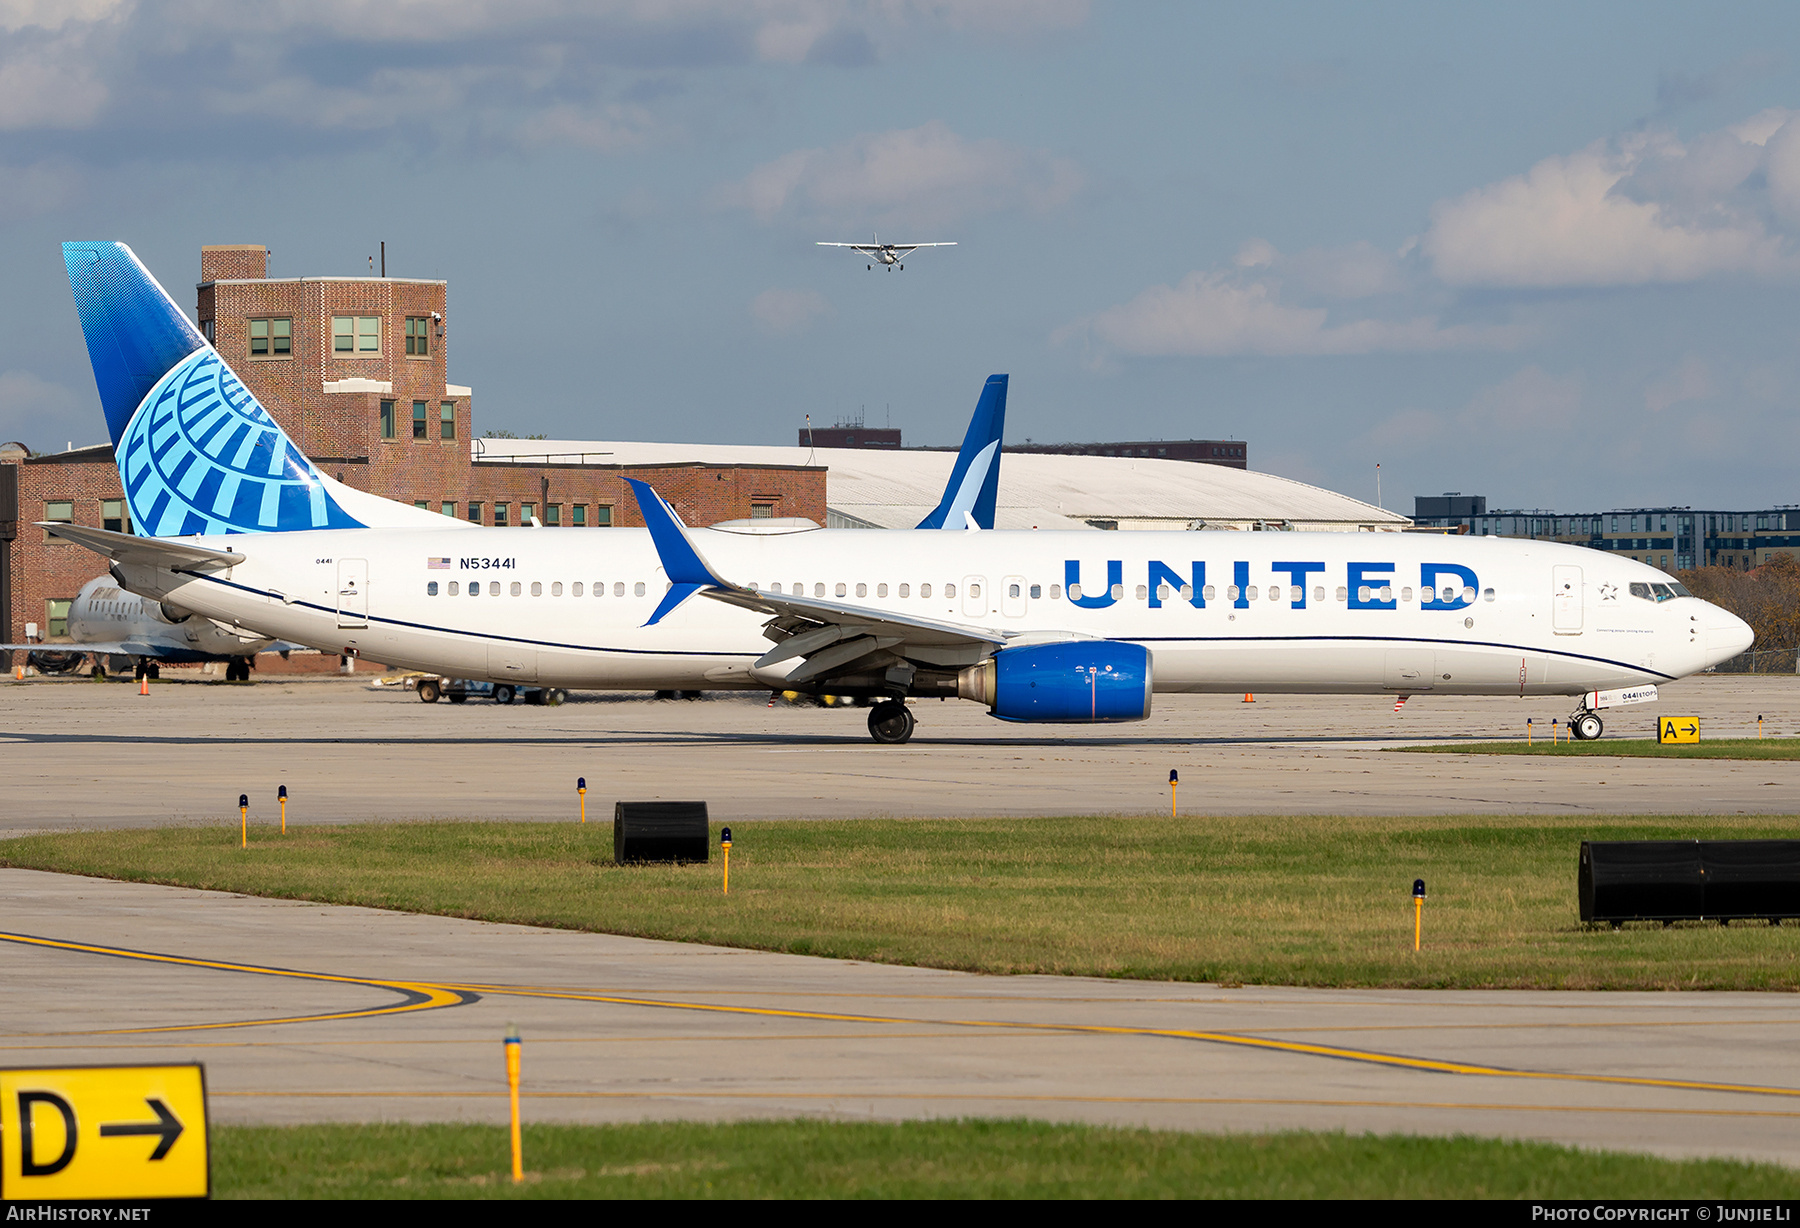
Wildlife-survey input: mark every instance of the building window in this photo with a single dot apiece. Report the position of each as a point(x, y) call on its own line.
point(527, 513)
point(578, 515)
point(56, 617)
point(272, 337)
point(60, 512)
point(474, 513)
point(552, 515)
point(418, 336)
point(387, 419)
point(500, 510)
point(762, 511)
point(424, 505)
point(114, 516)
point(356, 334)
point(449, 508)
point(603, 516)
point(419, 419)
point(447, 420)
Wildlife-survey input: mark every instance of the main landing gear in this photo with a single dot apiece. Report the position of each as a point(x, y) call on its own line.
point(1585, 725)
point(891, 722)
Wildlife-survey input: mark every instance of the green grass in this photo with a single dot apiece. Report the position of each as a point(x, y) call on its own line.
point(940, 1159)
point(1253, 900)
point(1633, 748)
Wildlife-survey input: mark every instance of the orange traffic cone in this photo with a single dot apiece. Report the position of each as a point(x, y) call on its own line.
point(144, 685)
point(1249, 698)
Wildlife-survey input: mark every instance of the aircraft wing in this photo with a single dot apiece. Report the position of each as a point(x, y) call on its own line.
point(121, 648)
point(832, 636)
point(147, 551)
point(855, 247)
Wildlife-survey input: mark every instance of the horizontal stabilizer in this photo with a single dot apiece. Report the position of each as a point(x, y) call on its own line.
point(144, 551)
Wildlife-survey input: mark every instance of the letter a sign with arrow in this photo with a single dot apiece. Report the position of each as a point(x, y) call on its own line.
point(87, 1132)
point(1673, 729)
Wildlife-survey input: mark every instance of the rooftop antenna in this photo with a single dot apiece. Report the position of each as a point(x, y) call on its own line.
point(384, 257)
point(1378, 484)
point(809, 440)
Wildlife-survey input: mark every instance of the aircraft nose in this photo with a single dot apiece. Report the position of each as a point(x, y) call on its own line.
point(1726, 635)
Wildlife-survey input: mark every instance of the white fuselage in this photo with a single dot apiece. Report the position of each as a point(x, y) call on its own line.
point(104, 614)
point(1272, 612)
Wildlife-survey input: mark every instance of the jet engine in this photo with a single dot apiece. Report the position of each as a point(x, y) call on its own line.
point(1078, 682)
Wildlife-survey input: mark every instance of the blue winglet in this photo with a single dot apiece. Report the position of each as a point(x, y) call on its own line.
point(688, 573)
point(975, 482)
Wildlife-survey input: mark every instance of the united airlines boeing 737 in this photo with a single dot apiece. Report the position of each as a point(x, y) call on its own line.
point(1044, 627)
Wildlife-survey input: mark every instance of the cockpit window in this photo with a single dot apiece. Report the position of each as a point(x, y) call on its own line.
point(1663, 592)
point(1681, 590)
point(1642, 590)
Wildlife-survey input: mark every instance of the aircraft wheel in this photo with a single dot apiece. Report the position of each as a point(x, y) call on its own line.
point(155, 671)
point(555, 697)
point(891, 723)
point(457, 699)
point(504, 694)
point(139, 673)
point(1586, 727)
point(429, 691)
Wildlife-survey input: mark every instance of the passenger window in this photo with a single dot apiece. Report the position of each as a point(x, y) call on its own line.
point(1162, 592)
point(1318, 592)
point(618, 588)
point(1037, 592)
point(1468, 594)
point(1362, 592)
point(556, 589)
point(516, 587)
point(575, 589)
point(1387, 592)
point(1074, 592)
point(474, 588)
point(431, 589)
point(1487, 594)
point(1296, 592)
point(775, 587)
point(537, 588)
point(1187, 592)
point(862, 590)
point(881, 590)
point(1056, 592)
point(840, 588)
point(905, 590)
point(974, 590)
point(799, 589)
point(1117, 591)
point(1208, 593)
point(924, 590)
point(1343, 594)
point(1231, 592)
point(493, 588)
point(949, 590)
point(638, 588)
point(818, 590)
point(453, 590)
point(1406, 594)
point(1250, 593)
point(1142, 592)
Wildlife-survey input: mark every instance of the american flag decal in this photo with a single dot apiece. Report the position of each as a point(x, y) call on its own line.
point(438, 564)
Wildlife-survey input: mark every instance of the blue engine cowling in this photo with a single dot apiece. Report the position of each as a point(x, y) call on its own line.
point(1078, 682)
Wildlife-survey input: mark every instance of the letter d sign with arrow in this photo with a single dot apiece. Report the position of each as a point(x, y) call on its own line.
point(87, 1132)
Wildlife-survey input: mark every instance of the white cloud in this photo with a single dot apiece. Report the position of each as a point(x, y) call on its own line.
point(1217, 314)
point(1647, 209)
point(923, 177)
point(784, 313)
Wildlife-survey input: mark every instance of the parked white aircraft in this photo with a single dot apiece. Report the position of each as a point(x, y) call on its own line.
point(1046, 627)
point(889, 254)
point(106, 621)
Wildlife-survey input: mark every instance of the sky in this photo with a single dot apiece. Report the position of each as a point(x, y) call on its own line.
point(1545, 253)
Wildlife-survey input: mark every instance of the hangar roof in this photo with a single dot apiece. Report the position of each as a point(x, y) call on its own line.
point(895, 489)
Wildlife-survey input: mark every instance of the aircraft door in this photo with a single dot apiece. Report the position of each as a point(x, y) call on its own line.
point(1565, 614)
point(353, 592)
point(975, 597)
point(1012, 597)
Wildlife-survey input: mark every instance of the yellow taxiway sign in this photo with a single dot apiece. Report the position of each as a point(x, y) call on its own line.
point(1674, 729)
point(104, 1132)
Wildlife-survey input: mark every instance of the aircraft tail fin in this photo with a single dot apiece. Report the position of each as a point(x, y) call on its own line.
point(196, 452)
point(975, 481)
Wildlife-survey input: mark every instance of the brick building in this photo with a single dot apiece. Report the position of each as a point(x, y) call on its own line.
point(354, 369)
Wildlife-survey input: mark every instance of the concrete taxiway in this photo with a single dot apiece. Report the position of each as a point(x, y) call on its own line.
point(307, 1012)
point(80, 754)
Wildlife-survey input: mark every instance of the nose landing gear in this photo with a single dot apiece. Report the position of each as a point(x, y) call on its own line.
point(1585, 726)
point(891, 722)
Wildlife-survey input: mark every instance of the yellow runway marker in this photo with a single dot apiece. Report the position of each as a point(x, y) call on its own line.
point(416, 995)
point(422, 995)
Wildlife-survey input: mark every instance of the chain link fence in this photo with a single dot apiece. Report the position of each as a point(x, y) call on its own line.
point(1760, 661)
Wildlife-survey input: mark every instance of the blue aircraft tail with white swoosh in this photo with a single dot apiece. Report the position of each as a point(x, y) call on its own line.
point(196, 452)
point(975, 482)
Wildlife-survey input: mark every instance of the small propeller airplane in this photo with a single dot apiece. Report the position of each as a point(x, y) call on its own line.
point(890, 254)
